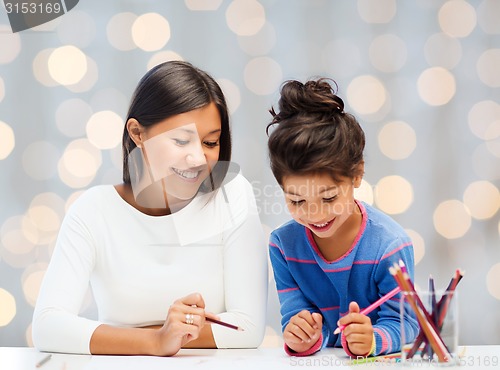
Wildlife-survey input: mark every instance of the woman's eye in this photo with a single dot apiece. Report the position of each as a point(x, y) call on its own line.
point(331, 199)
point(181, 142)
point(211, 144)
point(296, 202)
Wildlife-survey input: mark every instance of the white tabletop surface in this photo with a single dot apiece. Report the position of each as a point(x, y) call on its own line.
point(17, 358)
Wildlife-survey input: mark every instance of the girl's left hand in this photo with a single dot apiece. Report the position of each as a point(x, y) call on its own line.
point(358, 331)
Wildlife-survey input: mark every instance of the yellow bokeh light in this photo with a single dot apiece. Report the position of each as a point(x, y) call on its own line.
point(67, 65)
point(263, 75)
point(482, 198)
point(118, 31)
point(418, 245)
point(7, 140)
point(388, 53)
point(487, 67)
point(88, 81)
point(11, 45)
point(492, 279)
point(162, 56)
point(393, 194)
point(452, 219)
point(79, 163)
point(45, 218)
point(397, 140)
point(32, 280)
point(487, 16)
point(16, 242)
point(232, 94)
point(245, 17)
point(364, 192)
point(366, 94)
point(8, 307)
point(150, 32)
point(483, 119)
point(41, 68)
point(442, 50)
point(457, 18)
point(380, 11)
point(436, 86)
point(104, 129)
point(203, 5)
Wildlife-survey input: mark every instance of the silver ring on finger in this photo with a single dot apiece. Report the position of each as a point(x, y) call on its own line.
point(189, 319)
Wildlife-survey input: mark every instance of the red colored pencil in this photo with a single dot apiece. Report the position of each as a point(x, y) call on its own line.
point(231, 326)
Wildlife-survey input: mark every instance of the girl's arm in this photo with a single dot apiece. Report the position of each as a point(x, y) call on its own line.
point(292, 300)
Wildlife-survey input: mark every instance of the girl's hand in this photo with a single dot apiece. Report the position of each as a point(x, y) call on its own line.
point(358, 331)
point(185, 318)
point(303, 330)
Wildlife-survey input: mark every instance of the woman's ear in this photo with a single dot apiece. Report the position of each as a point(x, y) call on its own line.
point(136, 132)
point(356, 181)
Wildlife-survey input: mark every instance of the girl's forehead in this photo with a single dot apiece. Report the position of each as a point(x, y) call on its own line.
point(309, 185)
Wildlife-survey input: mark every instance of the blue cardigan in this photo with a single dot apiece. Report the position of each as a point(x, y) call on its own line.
point(306, 281)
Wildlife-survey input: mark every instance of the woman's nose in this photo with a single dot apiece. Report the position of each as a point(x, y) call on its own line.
point(196, 157)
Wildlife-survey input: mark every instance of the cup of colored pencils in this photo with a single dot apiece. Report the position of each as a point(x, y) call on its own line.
point(435, 341)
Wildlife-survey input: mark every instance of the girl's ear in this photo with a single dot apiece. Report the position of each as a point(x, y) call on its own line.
point(356, 181)
point(136, 132)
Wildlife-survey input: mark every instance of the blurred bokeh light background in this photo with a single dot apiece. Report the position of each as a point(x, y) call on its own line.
point(422, 76)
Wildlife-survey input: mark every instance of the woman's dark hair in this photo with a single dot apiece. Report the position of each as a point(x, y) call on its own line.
point(172, 88)
point(313, 133)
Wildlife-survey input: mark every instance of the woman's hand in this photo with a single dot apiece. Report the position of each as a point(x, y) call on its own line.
point(303, 330)
point(184, 321)
point(358, 331)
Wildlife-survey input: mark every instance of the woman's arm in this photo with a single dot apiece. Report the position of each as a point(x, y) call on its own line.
point(245, 271)
point(163, 341)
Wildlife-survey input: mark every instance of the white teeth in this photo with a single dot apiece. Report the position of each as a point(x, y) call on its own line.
point(321, 225)
point(186, 174)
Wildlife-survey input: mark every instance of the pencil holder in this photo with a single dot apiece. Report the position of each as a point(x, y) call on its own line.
point(435, 317)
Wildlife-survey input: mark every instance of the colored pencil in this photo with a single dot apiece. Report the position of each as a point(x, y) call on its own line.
point(231, 326)
point(374, 305)
point(423, 316)
point(442, 308)
point(43, 360)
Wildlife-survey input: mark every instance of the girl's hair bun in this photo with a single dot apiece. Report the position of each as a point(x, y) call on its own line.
point(314, 97)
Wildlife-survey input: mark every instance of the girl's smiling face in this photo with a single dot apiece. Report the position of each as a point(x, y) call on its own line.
point(320, 203)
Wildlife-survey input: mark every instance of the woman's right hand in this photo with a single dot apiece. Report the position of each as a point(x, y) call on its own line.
point(185, 318)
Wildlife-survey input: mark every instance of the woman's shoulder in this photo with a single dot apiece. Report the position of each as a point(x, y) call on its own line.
point(93, 197)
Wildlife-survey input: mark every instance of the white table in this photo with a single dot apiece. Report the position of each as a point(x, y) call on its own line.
point(17, 358)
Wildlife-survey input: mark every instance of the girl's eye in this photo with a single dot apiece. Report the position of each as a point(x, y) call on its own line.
point(331, 199)
point(296, 202)
point(211, 144)
point(181, 142)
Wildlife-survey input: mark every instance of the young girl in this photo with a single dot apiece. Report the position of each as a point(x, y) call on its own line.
point(333, 258)
point(171, 246)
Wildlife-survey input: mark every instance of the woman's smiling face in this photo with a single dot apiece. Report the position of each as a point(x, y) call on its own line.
point(182, 150)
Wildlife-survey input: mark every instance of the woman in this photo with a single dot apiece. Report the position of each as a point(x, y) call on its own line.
point(177, 242)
